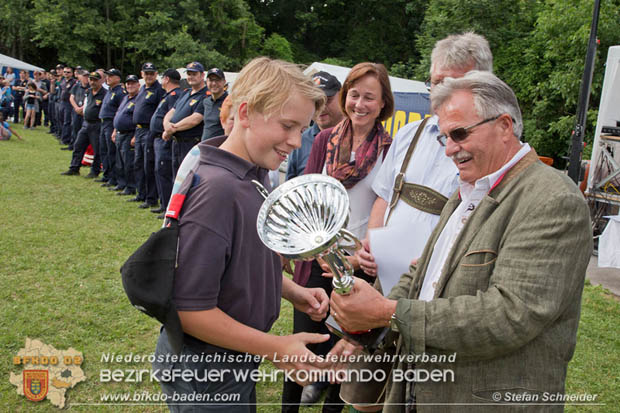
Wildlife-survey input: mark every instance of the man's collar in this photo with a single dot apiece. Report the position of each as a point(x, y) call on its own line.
point(198, 91)
point(433, 123)
point(155, 84)
point(490, 181)
point(222, 96)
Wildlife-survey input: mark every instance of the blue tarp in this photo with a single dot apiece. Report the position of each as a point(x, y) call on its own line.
point(408, 107)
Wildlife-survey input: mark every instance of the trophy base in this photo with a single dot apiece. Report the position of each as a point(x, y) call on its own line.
point(370, 340)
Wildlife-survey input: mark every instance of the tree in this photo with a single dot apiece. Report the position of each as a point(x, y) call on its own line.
point(187, 49)
point(364, 30)
point(126, 34)
point(15, 27)
point(72, 28)
point(552, 67)
point(277, 47)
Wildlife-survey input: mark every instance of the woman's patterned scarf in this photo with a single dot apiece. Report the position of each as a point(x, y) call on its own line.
point(339, 145)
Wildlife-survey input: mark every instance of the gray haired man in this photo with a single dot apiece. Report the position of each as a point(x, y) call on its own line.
point(416, 162)
point(416, 179)
point(495, 285)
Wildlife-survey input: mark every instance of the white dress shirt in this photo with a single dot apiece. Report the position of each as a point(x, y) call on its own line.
point(471, 195)
point(428, 166)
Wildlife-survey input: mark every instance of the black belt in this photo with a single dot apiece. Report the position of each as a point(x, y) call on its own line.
point(92, 121)
point(126, 131)
point(106, 119)
point(186, 140)
point(143, 125)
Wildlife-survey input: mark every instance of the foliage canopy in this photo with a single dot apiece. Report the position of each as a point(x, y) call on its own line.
point(539, 46)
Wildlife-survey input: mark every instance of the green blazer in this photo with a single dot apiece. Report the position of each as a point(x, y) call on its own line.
point(507, 301)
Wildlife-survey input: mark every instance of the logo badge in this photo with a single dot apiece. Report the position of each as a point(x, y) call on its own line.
point(192, 102)
point(148, 94)
point(35, 384)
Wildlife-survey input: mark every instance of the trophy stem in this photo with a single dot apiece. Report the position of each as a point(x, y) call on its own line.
point(341, 270)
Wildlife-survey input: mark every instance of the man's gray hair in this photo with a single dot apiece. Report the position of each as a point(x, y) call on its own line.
point(492, 97)
point(460, 51)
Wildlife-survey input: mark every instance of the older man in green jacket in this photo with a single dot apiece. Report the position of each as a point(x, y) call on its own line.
point(499, 283)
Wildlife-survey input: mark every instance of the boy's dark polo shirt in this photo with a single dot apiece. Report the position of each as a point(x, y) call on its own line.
point(222, 262)
point(187, 105)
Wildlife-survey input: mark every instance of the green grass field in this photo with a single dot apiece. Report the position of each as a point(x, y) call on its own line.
point(62, 242)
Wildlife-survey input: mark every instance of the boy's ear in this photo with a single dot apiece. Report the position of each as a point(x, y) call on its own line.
point(243, 115)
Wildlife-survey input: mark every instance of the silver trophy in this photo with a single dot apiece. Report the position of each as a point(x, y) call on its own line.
point(305, 219)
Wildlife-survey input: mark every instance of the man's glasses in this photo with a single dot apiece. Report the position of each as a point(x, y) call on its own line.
point(460, 134)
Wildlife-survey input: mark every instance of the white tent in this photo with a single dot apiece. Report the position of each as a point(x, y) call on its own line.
point(230, 76)
point(398, 84)
point(8, 61)
point(605, 155)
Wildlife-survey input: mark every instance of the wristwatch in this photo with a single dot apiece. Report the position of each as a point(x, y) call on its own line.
point(393, 323)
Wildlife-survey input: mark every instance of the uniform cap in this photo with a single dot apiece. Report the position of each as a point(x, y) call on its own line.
point(217, 72)
point(195, 67)
point(149, 67)
point(113, 72)
point(327, 82)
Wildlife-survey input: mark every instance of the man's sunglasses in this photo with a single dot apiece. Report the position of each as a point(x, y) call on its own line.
point(460, 134)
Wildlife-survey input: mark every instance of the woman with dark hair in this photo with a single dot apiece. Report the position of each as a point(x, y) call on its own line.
point(352, 152)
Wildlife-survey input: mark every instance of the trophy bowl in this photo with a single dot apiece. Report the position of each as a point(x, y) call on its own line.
point(305, 219)
point(304, 216)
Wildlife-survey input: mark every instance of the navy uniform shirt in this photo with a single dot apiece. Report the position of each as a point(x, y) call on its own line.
point(93, 104)
point(213, 126)
point(79, 93)
point(111, 102)
point(123, 120)
point(65, 88)
point(146, 103)
point(167, 103)
point(56, 94)
point(187, 105)
point(46, 85)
